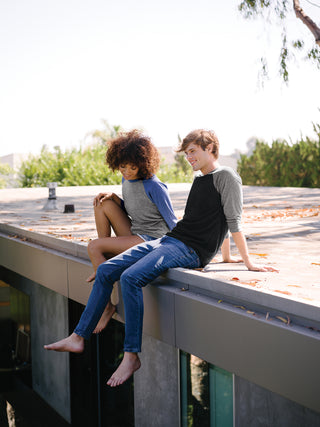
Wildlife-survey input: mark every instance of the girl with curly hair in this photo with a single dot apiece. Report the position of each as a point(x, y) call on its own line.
point(144, 213)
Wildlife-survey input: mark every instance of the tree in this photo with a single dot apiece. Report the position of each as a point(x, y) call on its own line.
point(6, 173)
point(104, 135)
point(281, 9)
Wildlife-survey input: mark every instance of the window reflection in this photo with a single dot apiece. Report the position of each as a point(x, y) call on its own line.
point(206, 394)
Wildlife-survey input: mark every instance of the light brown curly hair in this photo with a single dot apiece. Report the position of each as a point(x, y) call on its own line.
point(203, 138)
point(135, 148)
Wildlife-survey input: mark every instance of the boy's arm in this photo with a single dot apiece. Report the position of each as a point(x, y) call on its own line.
point(226, 254)
point(241, 243)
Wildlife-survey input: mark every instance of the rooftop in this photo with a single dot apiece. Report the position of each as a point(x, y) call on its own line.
point(259, 326)
point(282, 226)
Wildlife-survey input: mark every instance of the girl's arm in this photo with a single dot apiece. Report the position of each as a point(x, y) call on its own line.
point(158, 193)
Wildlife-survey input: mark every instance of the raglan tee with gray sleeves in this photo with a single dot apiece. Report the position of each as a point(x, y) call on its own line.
point(148, 205)
point(214, 206)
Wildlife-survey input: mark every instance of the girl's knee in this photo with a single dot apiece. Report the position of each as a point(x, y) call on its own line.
point(92, 246)
point(105, 206)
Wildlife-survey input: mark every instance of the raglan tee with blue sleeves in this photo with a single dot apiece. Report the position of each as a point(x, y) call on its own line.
point(148, 205)
point(214, 206)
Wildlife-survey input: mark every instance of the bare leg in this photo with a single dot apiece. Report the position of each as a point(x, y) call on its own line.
point(107, 215)
point(105, 317)
point(113, 246)
point(110, 214)
point(73, 343)
point(127, 367)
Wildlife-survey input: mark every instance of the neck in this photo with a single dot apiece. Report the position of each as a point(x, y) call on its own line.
point(210, 166)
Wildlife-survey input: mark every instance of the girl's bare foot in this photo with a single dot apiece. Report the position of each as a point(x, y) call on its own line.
point(127, 367)
point(105, 318)
point(91, 278)
point(73, 343)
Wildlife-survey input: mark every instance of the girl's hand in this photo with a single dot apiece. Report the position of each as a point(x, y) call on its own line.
point(101, 197)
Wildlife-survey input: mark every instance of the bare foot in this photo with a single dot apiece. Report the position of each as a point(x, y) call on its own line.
point(127, 367)
point(105, 318)
point(73, 343)
point(91, 278)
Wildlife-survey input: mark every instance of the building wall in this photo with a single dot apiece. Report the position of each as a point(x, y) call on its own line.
point(257, 407)
point(49, 321)
point(280, 358)
point(50, 369)
point(156, 385)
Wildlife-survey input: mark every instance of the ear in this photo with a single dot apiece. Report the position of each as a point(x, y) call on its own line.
point(210, 147)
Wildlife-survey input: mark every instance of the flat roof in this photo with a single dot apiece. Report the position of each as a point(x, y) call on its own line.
point(282, 227)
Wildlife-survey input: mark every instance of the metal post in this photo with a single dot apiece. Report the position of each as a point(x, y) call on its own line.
point(51, 203)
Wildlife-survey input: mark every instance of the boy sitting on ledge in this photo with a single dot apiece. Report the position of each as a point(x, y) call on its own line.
point(214, 205)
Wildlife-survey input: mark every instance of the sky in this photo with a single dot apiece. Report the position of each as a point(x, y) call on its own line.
point(167, 67)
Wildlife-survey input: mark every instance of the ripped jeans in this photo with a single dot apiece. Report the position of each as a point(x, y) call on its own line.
point(135, 268)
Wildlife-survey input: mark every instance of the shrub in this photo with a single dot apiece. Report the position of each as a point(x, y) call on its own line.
point(282, 164)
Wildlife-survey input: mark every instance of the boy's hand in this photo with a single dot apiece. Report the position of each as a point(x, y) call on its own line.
point(257, 267)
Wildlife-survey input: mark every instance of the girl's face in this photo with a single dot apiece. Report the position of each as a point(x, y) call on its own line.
point(129, 171)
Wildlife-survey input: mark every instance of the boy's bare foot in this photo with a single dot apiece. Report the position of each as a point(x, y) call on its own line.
point(73, 343)
point(105, 318)
point(91, 277)
point(127, 367)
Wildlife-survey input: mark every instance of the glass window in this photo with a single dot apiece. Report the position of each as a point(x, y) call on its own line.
point(206, 393)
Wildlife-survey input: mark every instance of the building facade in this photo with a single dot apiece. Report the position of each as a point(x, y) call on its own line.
point(206, 361)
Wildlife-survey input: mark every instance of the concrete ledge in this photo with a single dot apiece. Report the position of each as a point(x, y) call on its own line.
point(279, 358)
point(252, 299)
point(39, 264)
point(72, 248)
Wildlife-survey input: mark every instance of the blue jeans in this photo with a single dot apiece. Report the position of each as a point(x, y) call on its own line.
point(135, 268)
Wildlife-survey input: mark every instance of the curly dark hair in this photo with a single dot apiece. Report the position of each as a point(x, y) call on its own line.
point(135, 148)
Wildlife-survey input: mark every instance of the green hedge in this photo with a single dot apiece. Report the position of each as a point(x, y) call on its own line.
point(72, 167)
point(283, 164)
point(87, 167)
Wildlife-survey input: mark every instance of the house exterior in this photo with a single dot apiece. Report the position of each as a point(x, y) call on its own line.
point(221, 347)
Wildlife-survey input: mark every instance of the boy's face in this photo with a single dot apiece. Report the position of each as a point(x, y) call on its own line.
point(198, 158)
